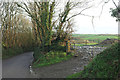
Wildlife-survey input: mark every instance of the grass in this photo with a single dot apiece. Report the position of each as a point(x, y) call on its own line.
point(10, 52)
point(104, 65)
point(95, 37)
point(84, 44)
point(51, 58)
point(52, 54)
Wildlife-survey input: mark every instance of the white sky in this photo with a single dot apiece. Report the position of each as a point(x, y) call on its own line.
point(103, 25)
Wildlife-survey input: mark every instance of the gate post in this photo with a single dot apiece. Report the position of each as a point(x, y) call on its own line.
point(68, 46)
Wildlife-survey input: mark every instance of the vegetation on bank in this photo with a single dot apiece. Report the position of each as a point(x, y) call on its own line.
point(10, 52)
point(104, 65)
point(55, 55)
point(51, 58)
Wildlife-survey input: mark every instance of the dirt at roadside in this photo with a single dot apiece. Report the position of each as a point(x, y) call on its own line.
point(63, 69)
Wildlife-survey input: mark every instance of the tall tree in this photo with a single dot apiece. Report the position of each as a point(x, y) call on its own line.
point(41, 16)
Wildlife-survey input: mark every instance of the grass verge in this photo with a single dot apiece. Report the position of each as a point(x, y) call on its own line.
point(51, 57)
point(10, 52)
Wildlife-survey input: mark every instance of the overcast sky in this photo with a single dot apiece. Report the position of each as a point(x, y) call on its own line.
point(103, 25)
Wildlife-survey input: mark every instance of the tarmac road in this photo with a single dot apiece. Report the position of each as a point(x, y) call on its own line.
point(18, 66)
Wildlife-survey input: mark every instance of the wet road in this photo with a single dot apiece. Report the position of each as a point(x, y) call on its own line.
point(18, 66)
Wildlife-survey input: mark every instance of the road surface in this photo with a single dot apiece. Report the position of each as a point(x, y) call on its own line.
point(18, 66)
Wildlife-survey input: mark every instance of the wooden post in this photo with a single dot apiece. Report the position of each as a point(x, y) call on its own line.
point(86, 42)
point(68, 46)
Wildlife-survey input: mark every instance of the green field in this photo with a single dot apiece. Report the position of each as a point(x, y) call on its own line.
point(84, 44)
point(95, 37)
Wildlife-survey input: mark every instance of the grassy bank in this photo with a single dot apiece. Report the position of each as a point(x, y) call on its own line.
point(55, 55)
point(7, 53)
point(10, 52)
point(104, 65)
point(51, 58)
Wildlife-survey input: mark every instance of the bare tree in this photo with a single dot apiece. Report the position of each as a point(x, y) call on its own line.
point(41, 15)
point(8, 14)
point(65, 18)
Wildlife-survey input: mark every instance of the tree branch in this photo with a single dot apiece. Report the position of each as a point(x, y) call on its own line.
point(103, 7)
point(114, 3)
point(116, 6)
point(78, 13)
point(23, 8)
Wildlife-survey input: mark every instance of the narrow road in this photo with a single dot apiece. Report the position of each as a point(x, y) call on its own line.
point(18, 66)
